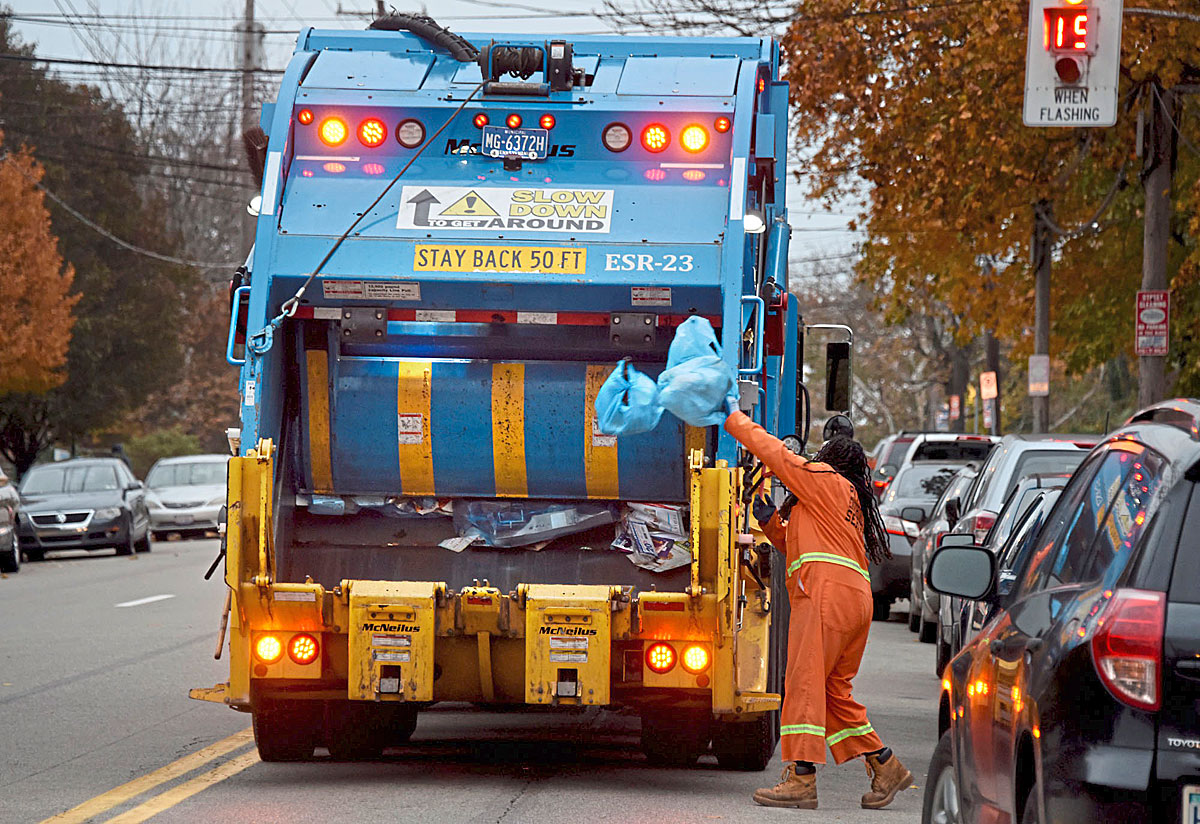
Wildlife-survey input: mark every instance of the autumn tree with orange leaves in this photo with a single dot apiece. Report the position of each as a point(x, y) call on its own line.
point(35, 284)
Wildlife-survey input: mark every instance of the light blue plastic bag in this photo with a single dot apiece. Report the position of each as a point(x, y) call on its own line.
point(697, 381)
point(627, 403)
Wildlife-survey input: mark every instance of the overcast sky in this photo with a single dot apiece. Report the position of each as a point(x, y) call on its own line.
point(161, 30)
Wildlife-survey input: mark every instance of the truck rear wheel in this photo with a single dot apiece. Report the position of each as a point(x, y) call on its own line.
point(287, 730)
point(746, 745)
point(673, 738)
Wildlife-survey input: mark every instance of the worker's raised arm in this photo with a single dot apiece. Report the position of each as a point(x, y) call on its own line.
point(789, 467)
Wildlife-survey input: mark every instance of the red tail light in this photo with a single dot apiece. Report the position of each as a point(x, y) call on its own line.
point(660, 657)
point(513, 121)
point(984, 522)
point(655, 137)
point(1127, 647)
point(546, 121)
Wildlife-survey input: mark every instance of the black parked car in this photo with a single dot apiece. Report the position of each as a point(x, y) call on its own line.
point(84, 503)
point(1076, 702)
point(10, 549)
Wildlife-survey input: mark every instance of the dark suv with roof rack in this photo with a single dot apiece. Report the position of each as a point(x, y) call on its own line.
point(1077, 700)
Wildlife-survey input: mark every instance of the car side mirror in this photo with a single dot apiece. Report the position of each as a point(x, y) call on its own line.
point(952, 513)
point(913, 513)
point(134, 486)
point(962, 571)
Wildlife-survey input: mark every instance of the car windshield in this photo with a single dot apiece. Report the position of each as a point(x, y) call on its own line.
point(927, 481)
point(51, 480)
point(1046, 462)
point(188, 473)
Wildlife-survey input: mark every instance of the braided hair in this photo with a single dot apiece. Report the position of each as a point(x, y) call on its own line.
point(847, 457)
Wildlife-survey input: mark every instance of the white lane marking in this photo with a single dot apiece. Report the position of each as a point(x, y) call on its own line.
point(141, 601)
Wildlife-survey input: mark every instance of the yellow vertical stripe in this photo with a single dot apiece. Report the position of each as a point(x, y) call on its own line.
point(599, 451)
point(414, 435)
point(318, 419)
point(508, 429)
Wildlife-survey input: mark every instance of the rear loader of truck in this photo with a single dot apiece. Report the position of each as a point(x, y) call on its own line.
point(424, 506)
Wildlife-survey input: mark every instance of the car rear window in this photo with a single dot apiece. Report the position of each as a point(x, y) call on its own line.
point(894, 452)
point(926, 481)
point(957, 450)
point(192, 473)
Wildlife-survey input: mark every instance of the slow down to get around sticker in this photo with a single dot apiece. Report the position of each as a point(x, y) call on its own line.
point(485, 207)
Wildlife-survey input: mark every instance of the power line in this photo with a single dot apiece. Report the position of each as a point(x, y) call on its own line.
point(100, 230)
point(66, 61)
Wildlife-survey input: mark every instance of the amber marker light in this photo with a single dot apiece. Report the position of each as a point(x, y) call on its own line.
point(303, 649)
point(694, 139)
point(660, 658)
point(372, 132)
point(655, 138)
point(513, 121)
point(546, 122)
point(695, 659)
point(305, 116)
point(723, 124)
point(480, 120)
point(333, 131)
point(268, 649)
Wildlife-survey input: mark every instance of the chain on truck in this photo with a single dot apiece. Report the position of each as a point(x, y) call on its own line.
point(457, 239)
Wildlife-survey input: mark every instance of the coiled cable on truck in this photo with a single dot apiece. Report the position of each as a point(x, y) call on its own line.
point(428, 29)
point(521, 61)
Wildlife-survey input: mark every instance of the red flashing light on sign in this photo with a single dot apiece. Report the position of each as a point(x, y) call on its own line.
point(1067, 30)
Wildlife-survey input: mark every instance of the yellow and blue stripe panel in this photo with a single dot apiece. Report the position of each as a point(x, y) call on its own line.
point(385, 426)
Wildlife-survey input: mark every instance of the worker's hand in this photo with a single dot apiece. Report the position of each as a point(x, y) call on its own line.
point(763, 509)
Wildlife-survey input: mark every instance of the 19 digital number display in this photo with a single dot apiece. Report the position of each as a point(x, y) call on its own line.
point(1067, 30)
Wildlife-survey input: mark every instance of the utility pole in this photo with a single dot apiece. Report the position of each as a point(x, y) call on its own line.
point(1158, 169)
point(250, 55)
point(1043, 247)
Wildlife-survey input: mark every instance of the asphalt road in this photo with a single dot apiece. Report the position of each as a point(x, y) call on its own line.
point(93, 695)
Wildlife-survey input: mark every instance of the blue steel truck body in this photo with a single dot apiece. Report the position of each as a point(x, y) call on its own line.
point(549, 222)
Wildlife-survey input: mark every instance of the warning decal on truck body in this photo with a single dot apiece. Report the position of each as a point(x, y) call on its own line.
point(496, 209)
point(541, 260)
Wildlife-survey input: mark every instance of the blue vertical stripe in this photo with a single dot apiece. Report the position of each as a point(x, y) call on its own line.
point(461, 416)
point(554, 425)
point(363, 428)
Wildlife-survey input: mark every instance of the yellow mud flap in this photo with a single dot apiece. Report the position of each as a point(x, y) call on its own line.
point(392, 629)
point(217, 694)
point(567, 643)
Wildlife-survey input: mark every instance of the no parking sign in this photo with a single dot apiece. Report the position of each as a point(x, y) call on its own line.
point(1153, 322)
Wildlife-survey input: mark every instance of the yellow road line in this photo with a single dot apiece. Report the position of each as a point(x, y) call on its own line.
point(148, 809)
point(119, 795)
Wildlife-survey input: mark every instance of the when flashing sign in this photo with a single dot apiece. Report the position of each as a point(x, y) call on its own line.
point(1072, 64)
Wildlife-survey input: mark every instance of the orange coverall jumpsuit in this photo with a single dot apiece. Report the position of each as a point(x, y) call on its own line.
point(829, 590)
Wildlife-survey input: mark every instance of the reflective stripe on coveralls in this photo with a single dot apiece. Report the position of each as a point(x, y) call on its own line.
point(825, 557)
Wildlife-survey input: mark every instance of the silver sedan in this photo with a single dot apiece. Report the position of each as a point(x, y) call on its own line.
point(186, 494)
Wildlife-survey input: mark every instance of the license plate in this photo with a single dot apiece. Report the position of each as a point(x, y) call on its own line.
point(1191, 804)
point(530, 144)
point(184, 519)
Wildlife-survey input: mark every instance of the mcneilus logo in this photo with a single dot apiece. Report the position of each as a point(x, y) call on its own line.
point(566, 631)
point(391, 628)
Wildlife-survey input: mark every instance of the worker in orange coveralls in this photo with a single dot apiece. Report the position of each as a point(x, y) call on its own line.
point(831, 531)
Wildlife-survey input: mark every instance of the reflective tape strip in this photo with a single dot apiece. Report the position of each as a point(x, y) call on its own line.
point(493, 316)
point(865, 729)
point(802, 729)
point(828, 558)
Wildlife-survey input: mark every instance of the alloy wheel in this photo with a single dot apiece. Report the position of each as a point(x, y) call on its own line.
point(945, 799)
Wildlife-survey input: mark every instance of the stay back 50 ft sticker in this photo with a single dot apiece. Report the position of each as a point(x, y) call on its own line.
point(483, 207)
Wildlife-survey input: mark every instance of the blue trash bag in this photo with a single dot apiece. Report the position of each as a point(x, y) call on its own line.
point(627, 403)
point(697, 381)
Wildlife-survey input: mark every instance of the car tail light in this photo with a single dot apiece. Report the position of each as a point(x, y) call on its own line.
point(1127, 647)
point(333, 131)
point(617, 137)
point(660, 658)
point(480, 120)
point(984, 522)
point(655, 138)
point(695, 659)
point(893, 524)
point(546, 121)
point(268, 649)
point(410, 133)
point(303, 649)
point(513, 121)
point(305, 116)
point(911, 528)
point(723, 124)
point(694, 139)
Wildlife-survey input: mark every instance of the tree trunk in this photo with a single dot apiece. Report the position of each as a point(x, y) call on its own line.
point(960, 376)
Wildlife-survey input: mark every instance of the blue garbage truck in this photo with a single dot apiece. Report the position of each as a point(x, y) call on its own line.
point(458, 239)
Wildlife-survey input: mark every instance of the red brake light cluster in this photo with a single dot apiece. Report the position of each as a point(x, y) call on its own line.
point(1127, 647)
point(301, 648)
point(984, 522)
point(661, 658)
point(655, 138)
point(372, 132)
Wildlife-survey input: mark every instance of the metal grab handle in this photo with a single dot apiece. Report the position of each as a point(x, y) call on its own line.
point(760, 311)
point(233, 316)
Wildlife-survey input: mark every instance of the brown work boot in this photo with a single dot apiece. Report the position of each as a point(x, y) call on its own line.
point(799, 791)
point(887, 779)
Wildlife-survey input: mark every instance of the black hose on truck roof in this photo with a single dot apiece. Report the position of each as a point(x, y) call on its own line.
point(428, 29)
